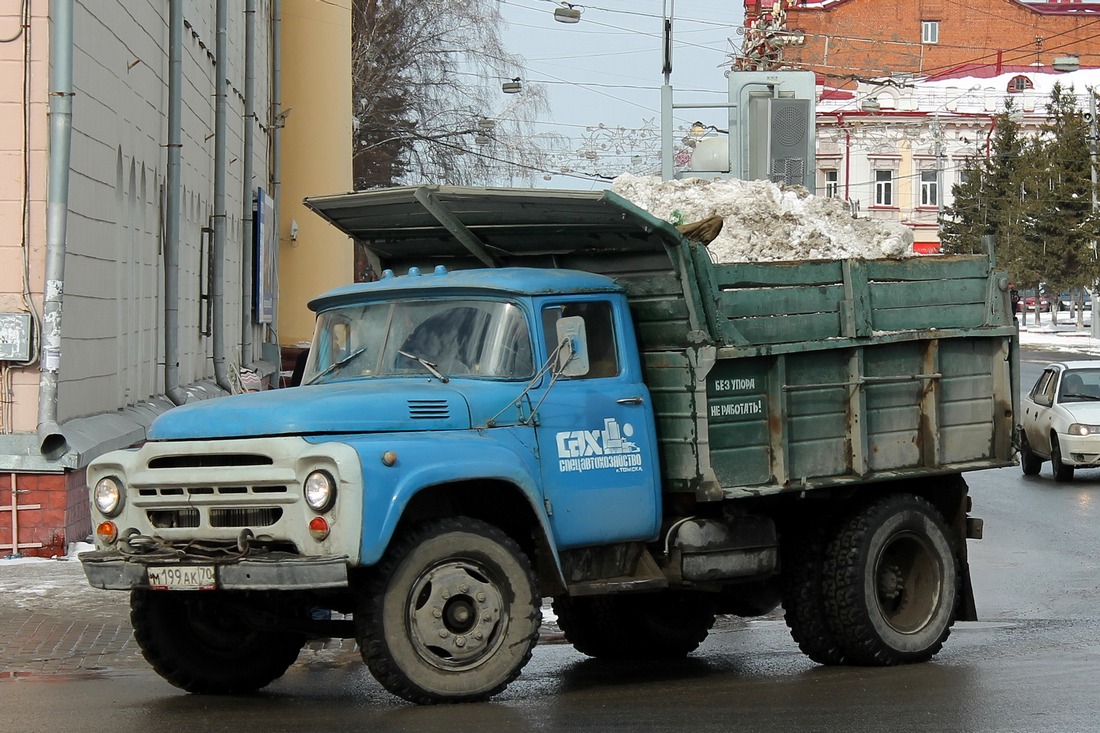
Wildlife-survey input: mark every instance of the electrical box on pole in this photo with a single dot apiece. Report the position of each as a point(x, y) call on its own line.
point(771, 130)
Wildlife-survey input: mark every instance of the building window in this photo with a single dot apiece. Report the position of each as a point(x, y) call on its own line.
point(1019, 84)
point(964, 176)
point(929, 188)
point(884, 188)
point(831, 182)
point(929, 31)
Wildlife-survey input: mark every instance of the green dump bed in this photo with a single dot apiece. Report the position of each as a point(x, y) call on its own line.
point(765, 377)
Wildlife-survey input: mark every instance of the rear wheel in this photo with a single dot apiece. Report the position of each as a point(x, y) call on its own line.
point(1062, 472)
point(641, 626)
point(205, 642)
point(1029, 462)
point(452, 613)
point(803, 601)
point(891, 582)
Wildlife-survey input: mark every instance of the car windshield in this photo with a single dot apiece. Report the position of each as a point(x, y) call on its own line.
point(452, 338)
point(1080, 385)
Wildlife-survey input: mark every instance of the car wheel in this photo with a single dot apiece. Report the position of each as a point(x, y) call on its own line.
point(1029, 462)
point(1062, 472)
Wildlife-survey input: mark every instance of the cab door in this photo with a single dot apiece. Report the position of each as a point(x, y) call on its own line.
point(597, 442)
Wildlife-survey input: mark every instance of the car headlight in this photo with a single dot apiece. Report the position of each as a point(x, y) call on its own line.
point(320, 491)
point(1081, 429)
point(108, 496)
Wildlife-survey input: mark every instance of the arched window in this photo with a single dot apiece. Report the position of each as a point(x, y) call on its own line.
point(1019, 84)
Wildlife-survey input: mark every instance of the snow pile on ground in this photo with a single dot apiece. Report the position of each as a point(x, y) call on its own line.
point(766, 222)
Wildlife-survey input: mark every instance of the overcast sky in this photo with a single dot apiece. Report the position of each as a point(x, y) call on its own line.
point(607, 68)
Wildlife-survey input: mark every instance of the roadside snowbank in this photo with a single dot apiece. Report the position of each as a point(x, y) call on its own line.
point(764, 222)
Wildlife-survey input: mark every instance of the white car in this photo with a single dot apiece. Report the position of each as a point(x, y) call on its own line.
point(1061, 420)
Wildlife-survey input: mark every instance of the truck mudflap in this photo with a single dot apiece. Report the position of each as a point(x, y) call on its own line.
point(274, 571)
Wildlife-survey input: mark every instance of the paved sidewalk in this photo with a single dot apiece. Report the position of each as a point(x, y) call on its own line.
point(52, 621)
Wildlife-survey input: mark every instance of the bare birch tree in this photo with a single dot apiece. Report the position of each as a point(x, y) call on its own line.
point(426, 85)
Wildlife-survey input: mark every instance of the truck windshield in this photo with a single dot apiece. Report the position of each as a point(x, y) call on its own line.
point(458, 338)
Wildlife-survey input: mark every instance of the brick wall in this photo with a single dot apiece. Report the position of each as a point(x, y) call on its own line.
point(45, 525)
point(881, 37)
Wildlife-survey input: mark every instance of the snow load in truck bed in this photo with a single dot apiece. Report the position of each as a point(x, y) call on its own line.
point(766, 222)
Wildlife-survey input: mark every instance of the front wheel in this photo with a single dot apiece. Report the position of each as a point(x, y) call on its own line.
point(451, 614)
point(207, 641)
point(891, 582)
point(1030, 463)
point(1062, 471)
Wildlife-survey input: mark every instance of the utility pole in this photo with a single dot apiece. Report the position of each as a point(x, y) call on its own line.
point(1094, 328)
point(666, 96)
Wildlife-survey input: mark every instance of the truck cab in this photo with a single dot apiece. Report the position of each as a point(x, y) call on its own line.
point(538, 365)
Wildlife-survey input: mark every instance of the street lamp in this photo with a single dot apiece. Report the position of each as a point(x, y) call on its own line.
point(568, 13)
point(512, 87)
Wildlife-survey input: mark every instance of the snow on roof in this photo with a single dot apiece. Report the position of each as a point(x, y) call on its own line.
point(1043, 77)
point(971, 88)
point(1045, 7)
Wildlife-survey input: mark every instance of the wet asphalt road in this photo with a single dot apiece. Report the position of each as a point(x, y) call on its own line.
point(1031, 664)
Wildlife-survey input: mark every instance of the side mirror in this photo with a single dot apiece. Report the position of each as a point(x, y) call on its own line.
point(573, 356)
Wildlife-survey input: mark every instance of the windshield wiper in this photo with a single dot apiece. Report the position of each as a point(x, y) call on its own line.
point(337, 364)
point(427, 365)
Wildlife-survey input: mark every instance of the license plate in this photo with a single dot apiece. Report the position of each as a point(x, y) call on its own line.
point(182, 577)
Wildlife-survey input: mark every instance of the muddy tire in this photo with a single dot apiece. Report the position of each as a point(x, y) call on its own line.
point(451, 614)
point(891, 582)
point(1030, 463)
point(637, 626)
point(203, 642)
point(803, 599)
point(1062, 472)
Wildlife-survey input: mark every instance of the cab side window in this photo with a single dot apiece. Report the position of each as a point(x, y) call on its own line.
point(599, 326)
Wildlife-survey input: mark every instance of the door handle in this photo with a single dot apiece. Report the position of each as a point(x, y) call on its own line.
point(630, 401)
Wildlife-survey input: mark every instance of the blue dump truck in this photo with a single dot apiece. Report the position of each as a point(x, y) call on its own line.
point(554, 394)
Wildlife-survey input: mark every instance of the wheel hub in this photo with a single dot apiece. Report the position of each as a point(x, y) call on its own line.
point(908, 581)
point(455, 616)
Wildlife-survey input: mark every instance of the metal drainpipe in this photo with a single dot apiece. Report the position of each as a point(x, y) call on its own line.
point(51, 441)
point(246, 203)
point(217, 269)
point(172, 205)
point(277, 138)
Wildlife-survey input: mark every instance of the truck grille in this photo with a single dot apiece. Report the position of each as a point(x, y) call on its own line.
point(233, 517)
point(245, 517)
point(173, 518)
point(210, 460)
point(211, 490)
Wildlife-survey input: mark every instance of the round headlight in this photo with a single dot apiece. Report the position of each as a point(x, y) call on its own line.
point(108, 496)
point(320, 491)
